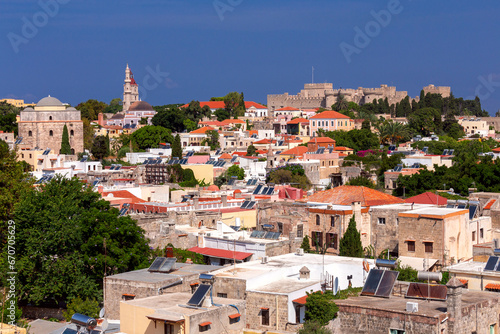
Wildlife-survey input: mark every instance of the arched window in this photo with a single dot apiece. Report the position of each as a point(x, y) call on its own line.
point(318, 220)
point(30, 133)
point(51, 133)
point(50, 118)
point(72, 133)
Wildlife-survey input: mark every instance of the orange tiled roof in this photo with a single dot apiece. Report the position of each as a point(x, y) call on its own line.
point(346, 195)
point(225, 156)
point(329, 114)
point(287, 109)
point(427, 198)
point(322, 140)
point(489, 204)
point(463, 281)
point(343, 148)
point(264, 141)
point(202, 130)
point(298, 120)
point(493, 286)
point(496, 150)
point(124, 194)
point(298, 151)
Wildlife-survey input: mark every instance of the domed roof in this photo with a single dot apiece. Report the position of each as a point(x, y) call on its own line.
point(49, 101)
point(29, 109)
point(71, 108)
point(140, 106)
point(213, 187)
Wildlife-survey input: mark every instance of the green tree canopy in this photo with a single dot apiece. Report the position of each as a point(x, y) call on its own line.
point(251, 150)
point(62, 230)
point(356, 139)
point(290, 173)
point(151, 136)
point(212, 139)
point(99, 147)
point(237, 171)
point(320, 307)
point(234, 104)
point(170, 117)
point(65, 146)
point(91, 108)
point(177, 147)
point(350, 243)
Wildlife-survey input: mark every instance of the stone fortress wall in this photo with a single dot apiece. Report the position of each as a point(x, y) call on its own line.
point(322, 95)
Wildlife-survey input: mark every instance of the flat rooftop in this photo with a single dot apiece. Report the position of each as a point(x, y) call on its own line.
point(432, 308)
point(403, 206)
point(252, 269)
point(286, 285)
point(435, 211)
point(473, 267)
point(179, 270)
point(169, 304)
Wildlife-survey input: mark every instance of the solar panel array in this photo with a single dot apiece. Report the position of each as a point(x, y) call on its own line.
point(448, 152)
point(162, 264)
point(426, 291)
point(189, 154)
point(320, 150)
point(46, 152)
point(218, 152)
point(257, 190)
point(231, 182)
point(260, 190)
point(492, 264)
point(115, 167)
point(19, 140)
point(280, 143)
point(265, 235)
point(123, 211)
point(45, 178)
point(416, 165)
point(252, 182)
point(199, 295)
point(247, 205)
point(233, 159)
point(379, 283)
point(392, 148)
point(84, 159)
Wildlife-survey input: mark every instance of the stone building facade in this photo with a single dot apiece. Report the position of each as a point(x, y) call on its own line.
point(322, 95)
point(42, 126)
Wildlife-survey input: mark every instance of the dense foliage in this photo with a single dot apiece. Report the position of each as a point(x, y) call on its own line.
point(65, 146)
point(293, 174)
point(350, 243)
point(68, 237)
point(355, 139)
point(151, 136)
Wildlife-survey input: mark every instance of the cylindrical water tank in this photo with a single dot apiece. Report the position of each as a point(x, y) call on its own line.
point(385, 263)
point(237, 221)
point(429, 276)
point(84, 321)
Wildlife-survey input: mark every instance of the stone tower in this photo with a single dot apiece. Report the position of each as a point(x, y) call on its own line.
point(130, 90)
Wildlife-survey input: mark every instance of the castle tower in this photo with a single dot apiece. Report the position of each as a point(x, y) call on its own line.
point(130, 90)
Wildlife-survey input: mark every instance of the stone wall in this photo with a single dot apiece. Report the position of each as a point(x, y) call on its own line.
point(419, 230)
point(235, 288)
point(219, 318)
point(385, 236)
point(40, 135)
point(278, 310)
point(377, 321)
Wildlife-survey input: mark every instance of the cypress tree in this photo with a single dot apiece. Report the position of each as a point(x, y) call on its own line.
point(350, 243)
point(65, 146)
point(176, 147)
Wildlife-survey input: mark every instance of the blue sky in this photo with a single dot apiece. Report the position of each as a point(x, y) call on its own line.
point(196, 51)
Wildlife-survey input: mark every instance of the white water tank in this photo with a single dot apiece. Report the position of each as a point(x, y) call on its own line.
point(411, 307)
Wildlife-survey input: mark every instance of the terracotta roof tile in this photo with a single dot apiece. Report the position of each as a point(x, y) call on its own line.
point(298, 120)
point(427, 198)
point(318, 140)
point(329, 114)
point(225, 156)
point(346, 195)
point(489, 204)
point(298, 151)
point(287, 109)
point(202, 130)
point(493, 286)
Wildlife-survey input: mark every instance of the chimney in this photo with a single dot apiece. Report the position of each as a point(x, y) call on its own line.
point(305, 273)
point(196, 202)
point(454, 305)
point(100, 119)
point(224, 200)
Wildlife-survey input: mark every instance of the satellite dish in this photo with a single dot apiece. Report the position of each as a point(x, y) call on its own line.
point(102, 312)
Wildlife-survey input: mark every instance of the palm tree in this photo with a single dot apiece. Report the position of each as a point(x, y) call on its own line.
point(392, 132)
point(341, 103)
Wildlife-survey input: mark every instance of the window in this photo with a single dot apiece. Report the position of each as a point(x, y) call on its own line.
point(300, 231)
point(265, 316)
point(428, 247)
point(318, 220)
point(411, 246)
point(314, 123)
point(280, 227)
point(331, 240)
point(332, 221)
point(72, 133)
point(297, 314)
point(332, 123)
point(381, 221)
point(473, 235)
point(205, 326)
point(50, 118)
point(481, 233)
point(397, 331)
point(51, 133)
point(317, 239)
point(30, 133)
point(169, 328)
point(221, 295)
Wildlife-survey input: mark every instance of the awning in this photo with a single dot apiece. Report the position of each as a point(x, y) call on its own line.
point(206, 323)
point(234, 316)
point(407, 240)
point(301, 300)
point(492, 286)
point(417, 262)
point(264, 308)
point(220, 253)
point(128, 295)
point(166, 317)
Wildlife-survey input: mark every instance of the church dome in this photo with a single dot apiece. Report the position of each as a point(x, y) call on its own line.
point(140, 106)
point(49, 101)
